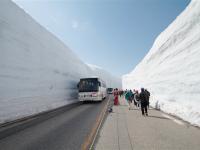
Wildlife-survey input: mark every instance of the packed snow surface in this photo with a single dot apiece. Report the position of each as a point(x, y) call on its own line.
point(171, 69)
point(38, 72)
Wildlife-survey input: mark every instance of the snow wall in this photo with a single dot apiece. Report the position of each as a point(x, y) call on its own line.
point(171, 69)
point(37, 71)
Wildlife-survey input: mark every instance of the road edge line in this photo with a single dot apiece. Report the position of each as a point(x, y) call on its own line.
point(89, 142)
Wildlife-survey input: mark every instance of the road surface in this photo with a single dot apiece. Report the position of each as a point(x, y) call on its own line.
point(65, 131)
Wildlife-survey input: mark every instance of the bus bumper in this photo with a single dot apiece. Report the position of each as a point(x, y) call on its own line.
point(90, 99)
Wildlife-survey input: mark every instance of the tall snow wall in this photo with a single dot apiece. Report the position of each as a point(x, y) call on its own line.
point(37, 71)
point(171, 69)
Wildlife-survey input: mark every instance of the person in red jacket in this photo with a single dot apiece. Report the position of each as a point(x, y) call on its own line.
point(116, 100)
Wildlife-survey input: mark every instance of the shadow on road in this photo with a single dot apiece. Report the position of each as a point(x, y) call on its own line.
point(92, 102)
point(159, 117)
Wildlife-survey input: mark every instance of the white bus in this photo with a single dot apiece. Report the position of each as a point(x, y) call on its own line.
point(91, 89)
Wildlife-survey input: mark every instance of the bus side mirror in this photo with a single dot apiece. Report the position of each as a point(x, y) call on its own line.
point(99, 83)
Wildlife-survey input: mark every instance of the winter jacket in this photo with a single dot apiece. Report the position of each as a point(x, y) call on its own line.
point(128, 96)
point(136, 97)
point(143, 98)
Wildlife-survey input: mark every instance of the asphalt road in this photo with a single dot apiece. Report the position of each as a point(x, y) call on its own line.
point(65, 131)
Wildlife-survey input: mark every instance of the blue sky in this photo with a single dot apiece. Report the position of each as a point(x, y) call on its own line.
point(112, 34)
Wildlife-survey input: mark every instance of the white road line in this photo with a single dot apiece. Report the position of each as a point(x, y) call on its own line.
point(173, 119)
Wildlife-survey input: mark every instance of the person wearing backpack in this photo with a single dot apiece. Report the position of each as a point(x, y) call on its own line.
point(137, 99)
point(148, 96)
point(144, 102)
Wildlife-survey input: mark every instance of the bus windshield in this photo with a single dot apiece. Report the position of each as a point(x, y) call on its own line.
point(88, 85)
point(109, 89)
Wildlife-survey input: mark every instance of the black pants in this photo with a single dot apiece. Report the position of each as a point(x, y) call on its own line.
point(144, 108)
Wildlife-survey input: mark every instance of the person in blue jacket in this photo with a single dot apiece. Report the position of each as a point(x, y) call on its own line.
point(128, 97)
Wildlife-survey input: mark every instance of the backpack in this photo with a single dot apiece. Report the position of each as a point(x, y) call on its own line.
point(127, 96)
point(143, 97)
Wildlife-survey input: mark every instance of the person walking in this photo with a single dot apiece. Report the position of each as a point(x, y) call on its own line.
point(120, 93)
point(128, 97)
point(144, 102)
point(134, 102)
point(137, 99)
point(116, 100)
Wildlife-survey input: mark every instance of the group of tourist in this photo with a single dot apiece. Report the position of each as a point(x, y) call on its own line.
point(140, 100)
